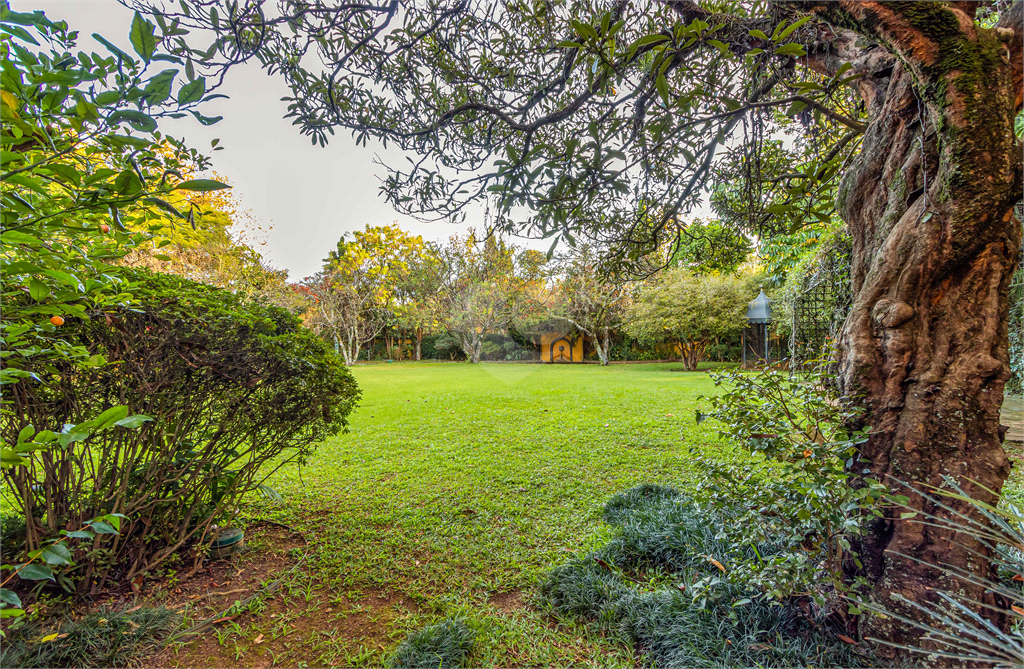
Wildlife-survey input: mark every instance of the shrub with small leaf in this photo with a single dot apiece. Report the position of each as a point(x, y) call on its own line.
point(800, 482)
point(224, 392)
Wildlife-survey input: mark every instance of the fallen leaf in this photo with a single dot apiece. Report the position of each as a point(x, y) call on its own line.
point(1017, 609)
point(808, 452)
point(51, 637)
point(1017, 577)
point(843, 637)
point(258, 640)
point(759, 646)
point(134, 608)
point(716, 563)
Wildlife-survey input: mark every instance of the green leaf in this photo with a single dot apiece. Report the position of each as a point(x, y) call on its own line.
point(192, 92)
point(133, 422)
point(166, 206)
point(789, 31)
point(136, 119)
point(38, 290)
point(9, 598)
point(65, 439)
point(80, 534)
point(11, 613)
point(36, 572)
point(106, 419)
point(113, 49)
point(796, 108)
point(57, 553)
point(201, 185)
point(101, 527)
point(8, 458)
point(15, 237)
point(26, 434)
point(143, 37)
point(791, 49)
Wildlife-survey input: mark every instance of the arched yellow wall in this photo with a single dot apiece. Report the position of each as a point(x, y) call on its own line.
point(568, 350)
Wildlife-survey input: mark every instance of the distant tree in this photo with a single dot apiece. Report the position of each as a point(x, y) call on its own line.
point(415, 299)
point(590, 300)
point(690, 310)
point(351, 299)
point(216, 246)
point(486, 287)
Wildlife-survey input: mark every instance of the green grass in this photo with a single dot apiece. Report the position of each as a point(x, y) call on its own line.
point(457, 490)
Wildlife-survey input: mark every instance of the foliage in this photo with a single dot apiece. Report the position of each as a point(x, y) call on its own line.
point(74, 189)
point(664, 582)
point(572, 118)
point(53, 560)
point(73, 186)
point(103, 638)
point(445, 645)
point(710, 247)
point(589, 299)
point(351, 299)
point(218, 248)
point(954, 628)
point(805, 489)
point(231, 392)
point(690, 309)
point(486, 287)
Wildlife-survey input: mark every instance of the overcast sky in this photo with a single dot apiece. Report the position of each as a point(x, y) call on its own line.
point(308, 195)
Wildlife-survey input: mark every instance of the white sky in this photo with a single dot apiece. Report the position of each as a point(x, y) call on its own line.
point(307, 195)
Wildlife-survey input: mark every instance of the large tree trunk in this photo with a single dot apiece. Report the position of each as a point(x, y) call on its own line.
point(929, 204)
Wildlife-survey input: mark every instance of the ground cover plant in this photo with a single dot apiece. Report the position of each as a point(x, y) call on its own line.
point(100, 639)
point(457, 490)
point(664, 582)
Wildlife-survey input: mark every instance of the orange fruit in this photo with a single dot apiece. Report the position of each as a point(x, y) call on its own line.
point(57, 320)
point(104, 228)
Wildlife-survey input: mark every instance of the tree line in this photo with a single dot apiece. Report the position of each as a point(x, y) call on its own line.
point(384, 282)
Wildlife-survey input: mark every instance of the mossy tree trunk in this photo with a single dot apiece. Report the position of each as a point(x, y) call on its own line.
point(930, 204)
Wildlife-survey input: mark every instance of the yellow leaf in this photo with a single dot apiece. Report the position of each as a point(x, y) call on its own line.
point(11, 102)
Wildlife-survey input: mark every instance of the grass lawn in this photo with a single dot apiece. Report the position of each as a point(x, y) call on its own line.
point(458, 487)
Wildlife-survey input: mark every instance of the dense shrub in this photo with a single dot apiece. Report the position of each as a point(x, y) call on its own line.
point(663, 583)
point(235, 390)
point(800, 482)
point(446, 644)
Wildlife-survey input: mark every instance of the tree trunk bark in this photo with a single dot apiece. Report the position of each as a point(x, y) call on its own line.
point(929, 203)
point(419, 344)
point(601, 345)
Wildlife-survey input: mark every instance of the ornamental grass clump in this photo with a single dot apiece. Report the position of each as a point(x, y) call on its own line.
point(446, 644)
point(663, 584)
point(103, 638)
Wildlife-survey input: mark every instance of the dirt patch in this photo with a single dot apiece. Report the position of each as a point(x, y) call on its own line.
point(507, 602)
point(270, 551)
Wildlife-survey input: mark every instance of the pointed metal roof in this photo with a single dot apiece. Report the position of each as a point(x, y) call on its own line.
point(759, 310)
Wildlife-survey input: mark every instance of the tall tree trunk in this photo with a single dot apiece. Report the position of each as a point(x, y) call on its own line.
point(929, 204)
point(419, 344)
